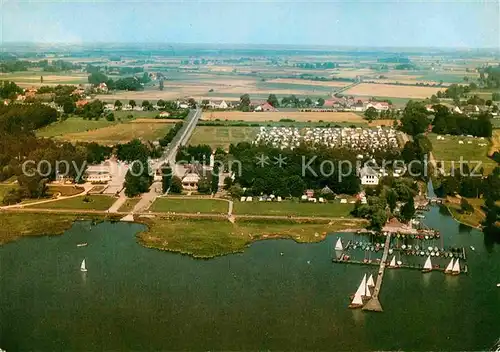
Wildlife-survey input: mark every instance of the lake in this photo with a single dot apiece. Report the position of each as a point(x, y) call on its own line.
point(134, 298)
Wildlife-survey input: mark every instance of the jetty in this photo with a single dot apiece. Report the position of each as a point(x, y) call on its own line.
point(374, 304)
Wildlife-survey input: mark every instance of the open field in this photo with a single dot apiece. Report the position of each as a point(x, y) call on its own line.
point(335, 84)
point(121, 133)
point(333, 209)
point(95, 202)
point(202, 238)
point(387, 90)
point(32, 78)
point(220, 136)
point(473, 219)
point(279, 115)
point(450, 150)
point(190, 205)
point(64, 190)
point(72, 125)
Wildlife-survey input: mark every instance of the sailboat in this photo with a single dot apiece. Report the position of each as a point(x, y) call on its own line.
point(357, 299)
point(449, 267)
point(83, 267)
point(428, 265)
point(370, 282)
point(392, 264)
point(456, 267)
point(338, 245)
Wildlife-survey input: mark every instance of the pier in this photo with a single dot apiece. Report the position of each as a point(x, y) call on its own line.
point(374, 304)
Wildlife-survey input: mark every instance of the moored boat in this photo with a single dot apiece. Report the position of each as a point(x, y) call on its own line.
point(427, 266)
point(370, 282)
point(338, 245)
point(456, 268)
point(449, 267)
point(83, 267)
point(357, 299)
point(392, 264)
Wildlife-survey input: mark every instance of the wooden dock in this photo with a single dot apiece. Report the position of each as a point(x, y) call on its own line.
point(374, 304)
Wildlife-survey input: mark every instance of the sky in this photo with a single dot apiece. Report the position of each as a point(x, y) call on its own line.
point(391, 23)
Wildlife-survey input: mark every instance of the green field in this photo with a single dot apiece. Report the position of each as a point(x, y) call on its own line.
point(136, 114)
point(221, 136)
point(450, 150)
point(291, 208)
point(95, 202)
point(73, 125)
point(129, 205)
point(190, 205)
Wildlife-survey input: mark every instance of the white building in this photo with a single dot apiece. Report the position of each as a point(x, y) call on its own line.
point(368, 176)
point(98, 174)
point(190, 182)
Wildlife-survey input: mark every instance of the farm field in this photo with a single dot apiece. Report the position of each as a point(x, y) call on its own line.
point(334, 209)
point(387, 90)
point(73, 125)
point(221, 136)
point(95, 202)
point(450, 150)
point(279, 115)
point(309, 82)
point(188, 205)
point(32, 78)
point(121, 133)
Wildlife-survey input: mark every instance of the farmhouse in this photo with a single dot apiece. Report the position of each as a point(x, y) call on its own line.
point(368, 176)
point(218, 104)
point(265, 107)
point(81, 103)
point(102, 87)
point(378, 105)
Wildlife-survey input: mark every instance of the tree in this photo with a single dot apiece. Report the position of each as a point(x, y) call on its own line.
point(378, 219)
point(392, 197)
point(166, 179)
point(215, 178)
point(118, 104)
point(135, 181)
point(273, 100)
point(176, 186)
point(97, 78)
point(192, 103)
point(414, 119)
point(132, 103)
point(465, 206)
point(228, 182)
point(308, 102)
point(146, 105)
point(161, 84)
point(245, 102)
point(236, 191)
point(495, 96)
point(408, 210)
point(204, 185)
point(321, 102)
point(371, 113)
point(69, 106)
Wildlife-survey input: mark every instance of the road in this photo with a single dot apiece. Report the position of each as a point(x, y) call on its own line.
point(180, 139)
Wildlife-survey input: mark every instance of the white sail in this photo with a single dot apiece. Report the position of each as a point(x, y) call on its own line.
point(367, 291)
point(392, 264)
point(357, 300)
point(449, 268)
point(83, 267)
point(428, 263)
point(338, 245)
point(370, 281)
point(362, 287)
point(456, 267)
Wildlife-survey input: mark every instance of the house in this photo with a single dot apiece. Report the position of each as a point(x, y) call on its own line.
point(309, 193)
point(358, 106)
point(368, 176)
point(164, 114)
point(102, 87)
point(98, 174)
point(265, 107)
point(218, 104)
point(378, 105)
point(429, 108)
point(190, 181)
point(457, 110)
point(81, 103)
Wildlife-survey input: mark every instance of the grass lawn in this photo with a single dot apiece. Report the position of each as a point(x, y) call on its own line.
point(129, 204)
point(121, 133)
point(450, 150)
point(96, 202)
point(220, 136)
point(473, 219)
point(72, 125)
point(203, 238)
point(64, 190)
point(190, 205)
point(136, 114)
point(334, 209)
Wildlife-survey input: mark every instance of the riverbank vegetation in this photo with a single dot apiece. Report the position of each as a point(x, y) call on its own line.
point(203, 238)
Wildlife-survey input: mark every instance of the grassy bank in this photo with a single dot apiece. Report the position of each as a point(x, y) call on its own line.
point(473, 219)
point(202, 238)
point(334, 209)
point(129, 204)
point(14, 225)
point(88, 202)
point(189, 205)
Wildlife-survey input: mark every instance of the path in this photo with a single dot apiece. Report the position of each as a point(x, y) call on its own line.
point(86, 186)
point(374, 304)
point(118, 203)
